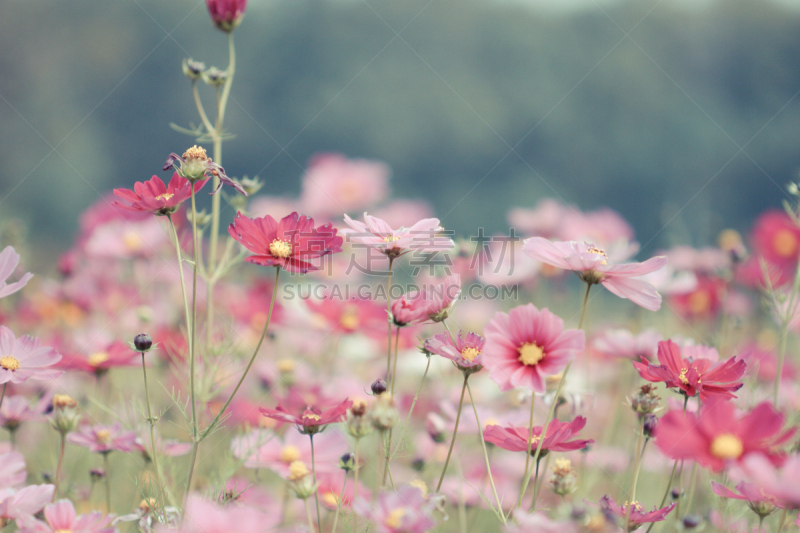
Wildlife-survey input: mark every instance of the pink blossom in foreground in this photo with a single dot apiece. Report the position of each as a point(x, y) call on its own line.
point(376, 233)
point(409, 309)
point(203, 516)
point(116, 354)
point(402, 511)
point(16, 409)
point(465, 353)
point(539, 522)
point(556, 438)
point(61, 516)
point(293, 243)
point(28, 501)
point(526, 345)
point(12, 469)
point(103, 439)
point(9, 259)
point(335, 184)
point(638, 515)
point(23, 358)
point(693, 376)
point(154, 197)
point(592, 266)
point(441, 297)
point(717, 437)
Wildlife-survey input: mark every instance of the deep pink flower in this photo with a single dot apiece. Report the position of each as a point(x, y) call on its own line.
point(103, 439)
point(154, 197)
point(335, 184)
point(556, 438)
point(24, 358)
point(776, 238)
point(466, 352)
point(638, 515)
point(226, 14)
point(348, 316)
point(592, 266)
point(704, 301)
point(12, 469)
point(311, 420)
point(402, 511)
point(693, 375)
point(28, 501)
point(61, 516)
point(410, 308)
point(717, 437)
point(116, 354)
point(292, 244)
point(376, 233)
point(526, 345)
point(9, 259)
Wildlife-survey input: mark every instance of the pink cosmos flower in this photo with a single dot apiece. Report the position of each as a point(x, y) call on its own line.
point(556, 438)
point(526, 345)
point(164, 447)
point(348, 316)
point(538, 522)
point(28, 501)
point(693, 376)
point(465, 353)
point(12, 469)
point(311, 420)
point(778, 482)
point(638, 515)
point(376, 233)
point(16, 409)
point(591, 265)
point(410, 308)
point(262, 448)
point(759, 501)
point(116, 354)
point(291, 244)
point(154, 197)
point(717, 437)
point(704, 301)
point(403, 511)
point(335, 184)
point(103, 439)
point(226, 14)
point(9, 259)
point(24, 358)
point(624, 344)
point(61, 516)
point(441, 297)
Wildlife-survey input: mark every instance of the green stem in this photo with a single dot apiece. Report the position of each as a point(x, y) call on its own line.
point(636, 465)
point(783, 520)
point(108, 482)
point(183, 283)
point(388, 314)
point(314, 473)
point(414, 402)
point(486, 456)
point(455, 432)
point(339, 505)
point(58, 468)
point(692, 484)
point(192, 330)
point(355, 474)
point(3, 394)
point(536, 485)
point(526, 478)
point(200, 110)
point(391, 430)
point(790, 310)
point(308, 514)
point(161, 487)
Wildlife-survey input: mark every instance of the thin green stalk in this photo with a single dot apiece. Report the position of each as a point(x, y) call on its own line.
point(455, 432)
point(536, 484)
point(636, 465)
point(308, 514)
point(161, 487)
point(192, 350)
point(339, 505)
point(183, 283)
point(314, 473)
point(58, 468)
point(486, 456)
point(783, 519)
point(3, 394)
point(388, 314)
point(414, 402)
point(355, 474)
point(108, 482)
point(539, 482)
point(526, 479)
point(692, 484)
point(790, 310)
point(391, 430)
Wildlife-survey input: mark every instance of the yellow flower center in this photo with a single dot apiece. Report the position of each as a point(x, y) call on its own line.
point(97, 359)
point(683, 377)
point(132, 241)
point(9, 362)
point(636, 506)
point(391, 238)
point(530, 354)
point(785, 243)
point(350, 321)
point(289, 454)
point(103, 436)
point(62, 401)
point(470, 353)
point(699, 302)
point(279, 248)
point(727, 446)
point(395, 518)
point(196, 152)
point(421, 485)
point(298, 470)
point(311, 416)
point(166, 196)
point(63, 531)
point(331, 499)
point(285, 365)
point(598, 251)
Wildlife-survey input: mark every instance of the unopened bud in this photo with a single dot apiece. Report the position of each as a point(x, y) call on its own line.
point(142, 342)
point(692, 521)
point(645, 400)
point(65, 413)
point(565, 479)
point(215, 77)
point(193, 69)
point(347, 462)
point(650, 423)
point(301, 481)
point(378, 387)
point(97, 474)
point(384, 414)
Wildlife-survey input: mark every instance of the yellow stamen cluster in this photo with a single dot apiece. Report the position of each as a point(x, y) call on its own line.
point(289, 454)
point(311, 416)
point(9, 362)
point(470, 353)
point(331, 499)
point(103, 436)
point(727, 446)
point(530, 354)
point(97, 359)
point(349, 320)
point(62, 401)
point(196, 153)
point(563, 467)
point(285, 365)
point(635, 505)
point(421, 485)
point(395, 518)
point(785, 243)
point(281, 249)
point(391, 238)
point(683, 377)
point(298, 470)
point(165, 197)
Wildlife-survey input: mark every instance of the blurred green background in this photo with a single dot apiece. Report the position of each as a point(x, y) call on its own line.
point(681, 116)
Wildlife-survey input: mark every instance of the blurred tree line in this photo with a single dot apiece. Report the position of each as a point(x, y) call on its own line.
point(684, 120)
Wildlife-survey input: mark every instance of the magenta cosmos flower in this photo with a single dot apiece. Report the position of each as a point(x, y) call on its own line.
point(591, 265)
point(311, 420)
point(9, 259)
point(526, 345)
point(28, 501)
point(638, 515)
point(104, 439)
point(61, 516)
point(24, 358)
point(154, 197)
point(402, 511)
point(717, 437)
point(465, 353)
point(377, 233)
point(440, 298)
point(556, 438)
point(226, 14)
point(116, 354)
point(693, 376)
point(292, 244)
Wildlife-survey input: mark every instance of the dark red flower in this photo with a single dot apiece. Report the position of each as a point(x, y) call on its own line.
point(556, 438)
point(226, 14)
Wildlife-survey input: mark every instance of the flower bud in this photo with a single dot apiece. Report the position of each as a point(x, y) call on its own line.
point(358, 425)
point(650, 423)
point(347, 462)
point(565, 479)
point(645, 400)
point(675, 493)
point(378, 387)
point(436, 427)
point(142, 342)
point(147, 505)
point(65, 413)
point(195, 163)
point(226, 14)
point(301, 482)
point(193, 69)
point(692, 521)
point(384, 414)
point(215, 77)
point(97, 474)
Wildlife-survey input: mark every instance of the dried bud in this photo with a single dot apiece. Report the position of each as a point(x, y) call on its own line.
point(193, 69)
point(650, 423)
point(143, 342)
point(215, 77)
point(645, 400)
point(63, 401)
point(347, 462)
point(565, 479)
point(378, 387)
point(357, 423)
point(384, 414)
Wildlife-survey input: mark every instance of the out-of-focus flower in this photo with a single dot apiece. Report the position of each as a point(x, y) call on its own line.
point(693, 376)
point(564, 480)
point(403, 511)
point(778, 482)
point(376, 233)
point(15, 410)
point(23, 358)
point(335, 184)
point(624, 344)
point(226, 14)
point(717, 437)
point(638, 515)
point(526, 345)
point(704, 301)
point(61, 516)
point(776, 238)
point(195, 165)
point(28, 501)
point(292, 244)
point(12, 469)
point(538, 522)
point(65, 413)
point(348, 316)
point(410, 308)
point(203, 516)
point(311, 420)
point(262, 448)
point(9, 259)
point(465, 353)
point(556, 438)
point(757, 500)
point(116, 354)
point(154, 197)
point(104, 439)
point(592, 266)
point(442, 297)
